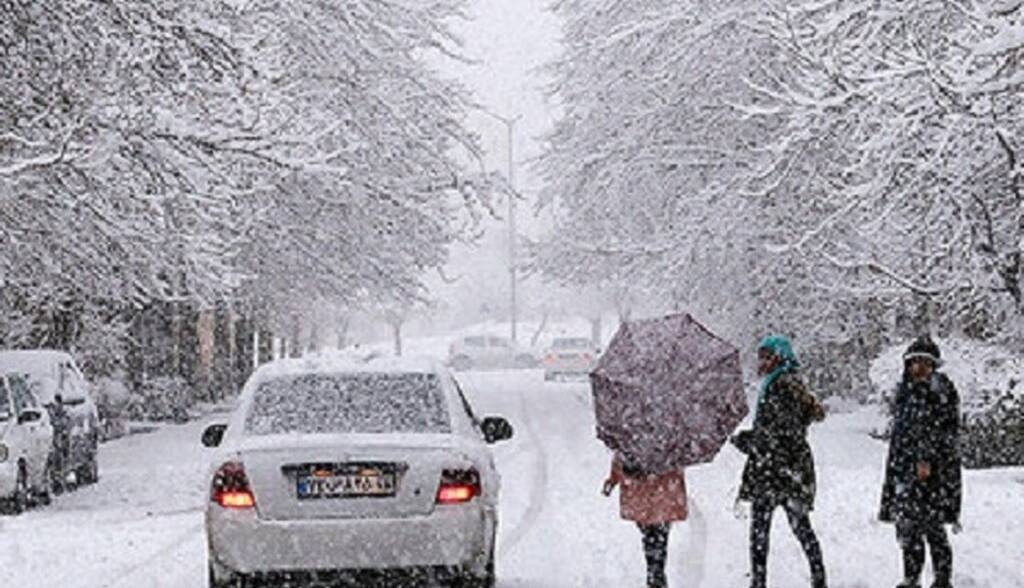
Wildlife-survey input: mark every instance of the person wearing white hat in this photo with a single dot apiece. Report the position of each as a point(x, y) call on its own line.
point(923, 484)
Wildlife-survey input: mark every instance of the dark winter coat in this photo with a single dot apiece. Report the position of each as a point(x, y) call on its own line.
point(780, 466)
point(926, 429)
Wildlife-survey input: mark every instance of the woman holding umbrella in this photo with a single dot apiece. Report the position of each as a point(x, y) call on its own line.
point(667, 394)
point(653, 502)
point(780, 467)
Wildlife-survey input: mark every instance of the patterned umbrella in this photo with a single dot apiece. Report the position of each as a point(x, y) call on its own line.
point(667, 393)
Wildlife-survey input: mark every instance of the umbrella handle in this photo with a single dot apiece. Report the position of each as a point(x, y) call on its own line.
point(609, 487)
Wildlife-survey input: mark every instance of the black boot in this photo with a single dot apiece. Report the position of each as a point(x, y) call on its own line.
point(657, 580)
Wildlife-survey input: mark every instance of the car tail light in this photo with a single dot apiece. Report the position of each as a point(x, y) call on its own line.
point(231, 487)
point(550, 358)
point(458, 486)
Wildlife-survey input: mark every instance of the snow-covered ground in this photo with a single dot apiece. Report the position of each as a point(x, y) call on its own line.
point(142, 524)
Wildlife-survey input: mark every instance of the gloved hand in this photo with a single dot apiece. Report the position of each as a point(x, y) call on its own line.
point(957, 528)
point(743, 441)
point(739, 510)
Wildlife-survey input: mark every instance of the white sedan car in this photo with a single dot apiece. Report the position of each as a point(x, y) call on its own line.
point(570, 356)
point(346, 471)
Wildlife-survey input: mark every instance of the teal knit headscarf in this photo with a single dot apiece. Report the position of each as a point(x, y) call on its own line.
point(780, 347)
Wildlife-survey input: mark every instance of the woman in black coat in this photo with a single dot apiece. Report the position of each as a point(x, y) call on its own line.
point(780, 467)
point(923, 487)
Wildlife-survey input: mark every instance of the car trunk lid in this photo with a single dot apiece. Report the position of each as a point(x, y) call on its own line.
point(357, 476)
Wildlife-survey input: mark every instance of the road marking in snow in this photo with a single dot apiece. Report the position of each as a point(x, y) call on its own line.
point(538, 490)
point(696, 549)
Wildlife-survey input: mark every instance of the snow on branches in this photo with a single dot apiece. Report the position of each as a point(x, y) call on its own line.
point(806, 155)
point(898, 158)
point(268, 151)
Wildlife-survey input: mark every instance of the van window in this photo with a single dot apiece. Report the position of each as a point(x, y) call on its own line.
point(72, 385)
point(5, 400)
point(18, 396)
point(21, 390)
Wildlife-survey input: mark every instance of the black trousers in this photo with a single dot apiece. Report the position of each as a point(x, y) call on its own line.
point(760, 530)
point(656, 553)
point(912, 537)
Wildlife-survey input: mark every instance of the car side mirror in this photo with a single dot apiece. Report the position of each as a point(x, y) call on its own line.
point(496, 429)
point(213, 435)
point(29, 415)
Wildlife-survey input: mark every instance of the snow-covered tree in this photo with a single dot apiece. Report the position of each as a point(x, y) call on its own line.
point(643, 167)
point(896, 163)
point(101, 207)
point(370, 188)
point(277, 154)
point(793, 165)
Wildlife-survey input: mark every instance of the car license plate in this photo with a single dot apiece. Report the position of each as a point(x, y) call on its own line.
point(371, 483)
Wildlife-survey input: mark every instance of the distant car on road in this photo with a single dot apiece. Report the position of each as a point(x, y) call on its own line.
point(52, 373)
point(26, 438)
point(489, 352)
point(349, 470)
point(569, 356)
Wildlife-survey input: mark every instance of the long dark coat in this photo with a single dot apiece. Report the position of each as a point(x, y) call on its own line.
point(780, 465)
point(926, 429)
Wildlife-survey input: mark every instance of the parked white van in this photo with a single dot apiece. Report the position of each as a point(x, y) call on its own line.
point(52, 373)
point(25, 441)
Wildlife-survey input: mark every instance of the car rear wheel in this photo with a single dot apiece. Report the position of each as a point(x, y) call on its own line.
point(15, 503)
point(42, 494)
point(232, 582)
point(470, 580)
point(89, 472)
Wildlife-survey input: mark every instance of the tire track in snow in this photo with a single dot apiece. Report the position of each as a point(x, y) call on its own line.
point(696, 549)
point(538, 490)
point(126, 573)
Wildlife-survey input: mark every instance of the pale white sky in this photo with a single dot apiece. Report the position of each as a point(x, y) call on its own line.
point(511, 40)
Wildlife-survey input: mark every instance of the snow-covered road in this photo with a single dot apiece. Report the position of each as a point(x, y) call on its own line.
point(142, 524)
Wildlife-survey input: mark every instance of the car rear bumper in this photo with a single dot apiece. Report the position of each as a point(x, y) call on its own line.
point(456, 537)
point(567, 367)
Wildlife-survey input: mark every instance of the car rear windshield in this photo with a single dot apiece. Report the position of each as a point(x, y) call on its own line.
point(349, 403)
point(571, 344)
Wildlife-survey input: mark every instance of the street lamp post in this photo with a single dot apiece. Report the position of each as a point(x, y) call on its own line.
point(510, 124)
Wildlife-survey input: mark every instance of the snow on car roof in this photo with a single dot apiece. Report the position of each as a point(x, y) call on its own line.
point(31, 361)
point(339, 363)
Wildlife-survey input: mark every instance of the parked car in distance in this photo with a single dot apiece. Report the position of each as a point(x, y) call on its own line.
point(489, 352)
point(26, 439)
point(343, 469)
point(52, 373)
point(570, 356)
